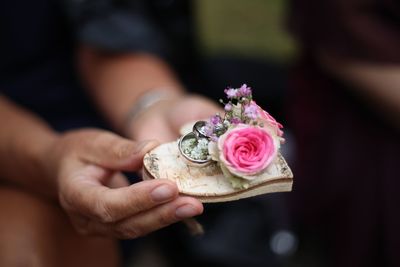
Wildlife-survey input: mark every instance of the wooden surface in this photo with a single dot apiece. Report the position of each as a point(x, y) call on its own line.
point(208, 184)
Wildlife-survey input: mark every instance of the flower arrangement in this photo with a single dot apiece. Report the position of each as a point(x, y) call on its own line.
point(244, 141)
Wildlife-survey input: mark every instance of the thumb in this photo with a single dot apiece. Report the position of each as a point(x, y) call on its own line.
point(85, 194)
point(113, 152)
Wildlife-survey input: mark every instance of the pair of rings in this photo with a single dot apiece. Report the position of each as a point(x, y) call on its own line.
point(197, 133)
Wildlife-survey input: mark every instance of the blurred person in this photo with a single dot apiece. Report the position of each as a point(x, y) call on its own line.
point(52, 166)
point(345, 113)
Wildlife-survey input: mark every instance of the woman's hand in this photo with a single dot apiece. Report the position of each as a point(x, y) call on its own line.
point(163, 120)
point(96, 196)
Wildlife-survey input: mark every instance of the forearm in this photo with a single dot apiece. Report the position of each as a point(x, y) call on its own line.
point(116, 82)
point(24, 140)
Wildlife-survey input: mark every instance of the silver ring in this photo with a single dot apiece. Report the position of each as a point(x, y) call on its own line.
point(191, 161)
point(198, 130)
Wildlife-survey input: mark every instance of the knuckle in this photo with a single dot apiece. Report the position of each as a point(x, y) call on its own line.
point(68, 200)
point(138, 202)
point(127, 232)
point(108, 142)
point(103, 213)
point(122, 150)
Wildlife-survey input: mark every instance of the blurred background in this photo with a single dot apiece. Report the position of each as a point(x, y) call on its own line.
point(240, 42)
point(254, 29)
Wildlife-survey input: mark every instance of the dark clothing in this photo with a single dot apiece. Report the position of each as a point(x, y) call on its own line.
point(36, 66)
point(159, 27)
point(346, 174)
point(37, 50)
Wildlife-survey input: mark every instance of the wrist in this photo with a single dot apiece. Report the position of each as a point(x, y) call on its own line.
point(30, 158)
point(46, 162)
point(146, 102)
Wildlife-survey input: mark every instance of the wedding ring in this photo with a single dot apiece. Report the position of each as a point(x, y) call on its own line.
point(198, 130)
point(191, 161)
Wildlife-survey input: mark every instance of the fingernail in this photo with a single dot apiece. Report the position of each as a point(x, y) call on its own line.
point(162, 193)
point(186, 211)
point(142, 145)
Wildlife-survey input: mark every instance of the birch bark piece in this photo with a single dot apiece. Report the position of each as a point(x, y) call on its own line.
point(208, 184)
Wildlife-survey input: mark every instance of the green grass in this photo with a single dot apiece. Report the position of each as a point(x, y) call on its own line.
point(254, 28)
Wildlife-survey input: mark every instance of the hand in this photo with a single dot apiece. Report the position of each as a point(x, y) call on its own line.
point(96, 195)
point(163, 120)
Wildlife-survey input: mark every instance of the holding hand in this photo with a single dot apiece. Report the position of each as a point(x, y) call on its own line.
point(96, 196)
point(163, 120)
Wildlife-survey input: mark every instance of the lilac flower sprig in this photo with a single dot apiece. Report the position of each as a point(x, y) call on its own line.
point(237, 94)
point(240, 108)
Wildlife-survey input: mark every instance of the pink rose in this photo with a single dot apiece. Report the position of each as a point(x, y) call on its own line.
point(246, 150)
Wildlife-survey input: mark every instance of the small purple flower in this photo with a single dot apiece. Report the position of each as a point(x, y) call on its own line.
point(231, 93)
point(215, 119)
point(235, 120)
point(209, 129)
point(228, 107)
point(245, 91)
point(251, 111)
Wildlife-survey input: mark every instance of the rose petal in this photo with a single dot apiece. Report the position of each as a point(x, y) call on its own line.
point(247, 150)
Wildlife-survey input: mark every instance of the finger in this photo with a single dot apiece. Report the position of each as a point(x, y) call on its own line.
point(193, 108)
point(118, 180)
point(86, 226)
point(124, 202)
point(114, 152)
point(157, 218)
point(86, 194)
point(156, 128)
